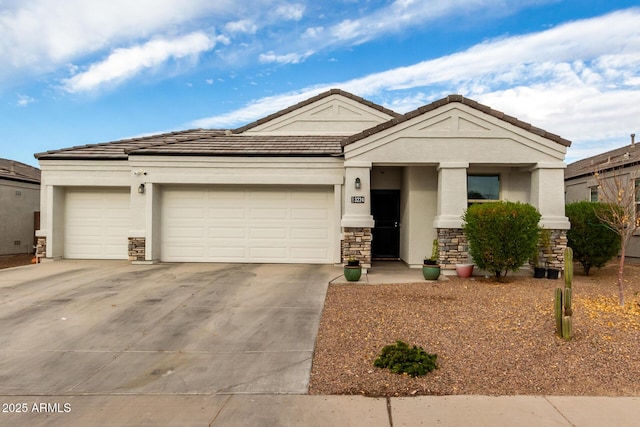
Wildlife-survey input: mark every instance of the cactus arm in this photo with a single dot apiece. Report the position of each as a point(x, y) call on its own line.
point(568, 267)
point(558, 310)
point(567, 327)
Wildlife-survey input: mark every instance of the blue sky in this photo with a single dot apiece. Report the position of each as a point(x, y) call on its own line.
point(76, 72)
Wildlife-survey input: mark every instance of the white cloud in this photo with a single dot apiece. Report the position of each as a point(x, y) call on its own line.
point(290, 12)
point(124, 64)
point(24, 100)
point(290, 58)
point(39, 35)
point(399, 16)
point(579, 80)
point(243, 26)
point(313, 32)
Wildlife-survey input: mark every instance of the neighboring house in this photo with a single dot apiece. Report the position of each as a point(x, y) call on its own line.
point(580, 182)
point(331, 177)
point(19, 206)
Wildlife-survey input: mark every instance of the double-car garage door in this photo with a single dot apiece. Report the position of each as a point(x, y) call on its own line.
point(247, 224)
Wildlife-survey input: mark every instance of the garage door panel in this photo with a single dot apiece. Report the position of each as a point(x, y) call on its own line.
point(247, 224)
point(269, 254)
point(309, 233)
point(231, 253)
point(268, 233)
point(268, 213)
point(97, 222)
point(187, 213)
point(309, 213)
point(227, 233)
point(308, 253)
point(186, 232)
point(226, 213)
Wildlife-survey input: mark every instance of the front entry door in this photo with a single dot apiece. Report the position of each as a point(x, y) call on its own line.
point(385, 208)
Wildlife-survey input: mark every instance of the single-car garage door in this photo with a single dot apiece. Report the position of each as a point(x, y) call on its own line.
point(247, 224)
point(97, 222)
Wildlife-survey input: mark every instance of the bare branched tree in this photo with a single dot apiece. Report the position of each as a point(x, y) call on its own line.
point(617, 189)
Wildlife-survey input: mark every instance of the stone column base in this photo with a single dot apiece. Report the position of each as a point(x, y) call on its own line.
point(553, 256)
point(453, 247)
point(41, 247)
point(357, 244)
point(137, 248)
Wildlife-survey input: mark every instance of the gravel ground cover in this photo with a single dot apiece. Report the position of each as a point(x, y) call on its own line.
point(491, 338)
point(7, 261)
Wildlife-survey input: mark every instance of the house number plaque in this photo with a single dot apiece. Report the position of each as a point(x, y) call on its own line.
point(357, 199)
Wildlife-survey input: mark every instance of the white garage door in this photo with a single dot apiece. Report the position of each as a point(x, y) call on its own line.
point(97, 223)
point(240, 224)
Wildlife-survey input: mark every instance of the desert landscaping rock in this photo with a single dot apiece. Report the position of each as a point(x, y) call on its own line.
point(491, 338)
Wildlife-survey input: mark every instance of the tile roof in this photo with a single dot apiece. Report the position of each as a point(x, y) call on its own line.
point(626, 156)
point(466, 101)
point(248, 145)
point(17, 171)
point(117, 150)
point(203, 142)
point(315, 99)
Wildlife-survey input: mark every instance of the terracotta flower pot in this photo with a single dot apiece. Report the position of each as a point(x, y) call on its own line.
point(464, 270)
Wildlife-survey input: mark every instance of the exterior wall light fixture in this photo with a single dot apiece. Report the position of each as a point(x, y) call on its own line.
point(358, 184)
point(141, 188)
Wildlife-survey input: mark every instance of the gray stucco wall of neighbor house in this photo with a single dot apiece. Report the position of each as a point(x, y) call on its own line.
point(18, 203)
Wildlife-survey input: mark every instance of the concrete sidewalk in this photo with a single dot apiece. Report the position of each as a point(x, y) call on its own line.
point(304, 410)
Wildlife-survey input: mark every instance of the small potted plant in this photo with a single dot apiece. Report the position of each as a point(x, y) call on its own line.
point(539, 272)
point(431, 268)
point(353, 270)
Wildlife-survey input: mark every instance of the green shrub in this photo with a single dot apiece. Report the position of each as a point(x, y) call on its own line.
point(400, 358)
point(502, 236)
point(593, 242)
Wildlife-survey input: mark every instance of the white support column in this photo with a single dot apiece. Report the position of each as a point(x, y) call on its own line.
point(452, 194)
point(52, 208)
point(152, 223)
point(357, 201)
point(547, 194)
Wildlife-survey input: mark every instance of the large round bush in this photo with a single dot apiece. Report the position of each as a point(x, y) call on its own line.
point(502, 236)
point(592, 240)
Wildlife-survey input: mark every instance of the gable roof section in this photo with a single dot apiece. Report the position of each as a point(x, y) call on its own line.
point(248, 145)
point(117, 150)
point(622, 157)
point(466, 101)
point(312, 100)
point(17, 171)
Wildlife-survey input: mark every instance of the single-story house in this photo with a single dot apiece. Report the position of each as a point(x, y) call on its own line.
point(19, 206)
point(624, 162)
point(331, 177)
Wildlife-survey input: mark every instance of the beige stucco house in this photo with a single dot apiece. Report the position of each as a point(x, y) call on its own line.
point(331, 177)
point(19, 206)
point(623, 163)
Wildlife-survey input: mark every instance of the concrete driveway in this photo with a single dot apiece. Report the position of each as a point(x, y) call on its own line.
point(108, 327)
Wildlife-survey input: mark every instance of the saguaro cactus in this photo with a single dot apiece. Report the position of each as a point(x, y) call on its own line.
point(563, 308)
